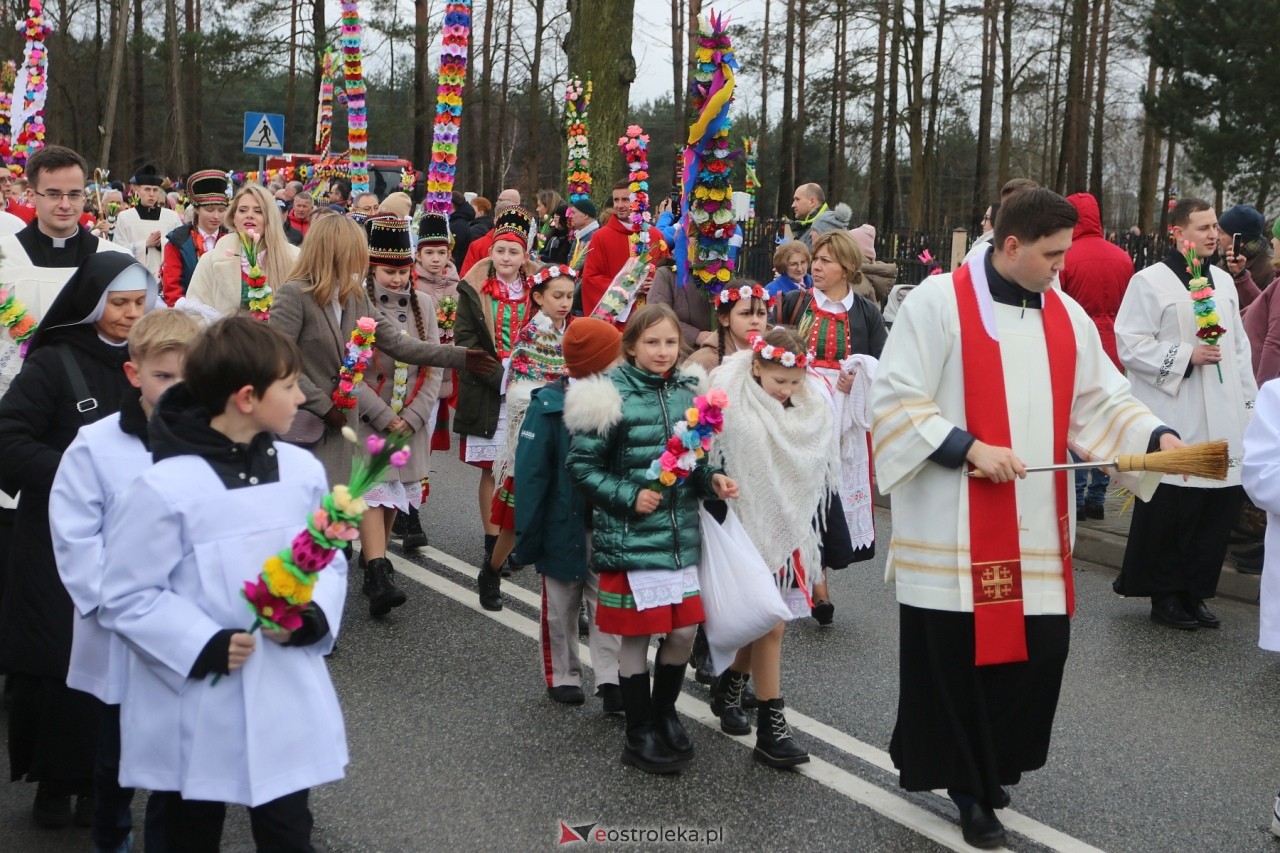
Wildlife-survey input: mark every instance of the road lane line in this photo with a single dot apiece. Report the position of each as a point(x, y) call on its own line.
point(1020, 823)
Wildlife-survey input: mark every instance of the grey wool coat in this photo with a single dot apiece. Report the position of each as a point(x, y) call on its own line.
point(323, 342)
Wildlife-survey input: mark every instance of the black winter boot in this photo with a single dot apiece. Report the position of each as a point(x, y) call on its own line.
point(668, 678)
point(490, 585)
point(775, 745)
point(726, 702)
point(703, 673)
point(414, 537)
point(382, 592)
point(644, 749)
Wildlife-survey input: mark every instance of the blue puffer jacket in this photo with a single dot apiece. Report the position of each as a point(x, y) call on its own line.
point(620, 423)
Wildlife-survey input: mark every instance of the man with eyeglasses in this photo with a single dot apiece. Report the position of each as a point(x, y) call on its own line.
point(13, 204)
point(143, 229)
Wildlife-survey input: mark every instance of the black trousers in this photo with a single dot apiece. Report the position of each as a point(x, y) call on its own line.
point(195, 826)
point(1178, 540)
point(112, 816)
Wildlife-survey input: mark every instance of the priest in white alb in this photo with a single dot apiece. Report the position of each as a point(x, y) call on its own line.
point(989, 370)
point(144, 229)
point(1206, 390)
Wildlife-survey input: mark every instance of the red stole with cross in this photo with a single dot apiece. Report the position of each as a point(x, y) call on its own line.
point(996, 554)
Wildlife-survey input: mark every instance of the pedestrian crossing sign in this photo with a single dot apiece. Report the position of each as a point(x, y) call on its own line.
point(263, 134)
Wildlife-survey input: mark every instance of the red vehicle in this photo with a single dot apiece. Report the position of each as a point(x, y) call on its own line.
point(384, 170)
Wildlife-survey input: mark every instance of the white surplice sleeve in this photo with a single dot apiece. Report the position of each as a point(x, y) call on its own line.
point(1151, 345)
point(1260, 471)
point(144, 547)
point(907, 423)
point(77, 504)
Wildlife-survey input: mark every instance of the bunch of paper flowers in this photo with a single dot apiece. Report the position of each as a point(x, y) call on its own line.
point(453, 76)
point(354, 363)
point(707, 207)
point(324, 111)
point(577, 129)
point(689, 442)
point(635, 148)
point(32, 82)
point(353, 83)
point(751, 150)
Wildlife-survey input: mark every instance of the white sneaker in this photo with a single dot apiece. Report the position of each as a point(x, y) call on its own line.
point(1275, 818)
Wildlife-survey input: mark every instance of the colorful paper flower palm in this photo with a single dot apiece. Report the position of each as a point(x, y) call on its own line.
point(690, 441)
point(324, 111)
point(707, 207)
point(14, 316)
point(577, 130)
point(255, 292)
point(751, 150)
point(1208, 324)
point(27, 122)
point(353, 84)
point(351, 373)
point(635, 148)
point(453, 76)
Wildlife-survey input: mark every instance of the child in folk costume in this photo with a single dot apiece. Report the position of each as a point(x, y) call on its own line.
point(741, 308)
point(493, 306)
point(646, 544)
point(190, 532)
point(552, 523)
point(776, 444)
point(438, 278)
point(845, 334)
point(394, 397)
point(101, 462)
point(535, 360)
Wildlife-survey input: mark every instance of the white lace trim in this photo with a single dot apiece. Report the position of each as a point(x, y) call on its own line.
point(659, 587)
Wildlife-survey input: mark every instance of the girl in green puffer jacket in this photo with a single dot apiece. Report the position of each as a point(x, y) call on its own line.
point(645, 544)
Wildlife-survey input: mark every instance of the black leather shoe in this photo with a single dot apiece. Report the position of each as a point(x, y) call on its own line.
point(567, 694)
point(980, 826)
point(1000, 800)
point(1081, 514)
point(726, 702)
point(1094, 511)
point(1168, 611)
point(1203, 615)
point(489, 583)
point(823, 611)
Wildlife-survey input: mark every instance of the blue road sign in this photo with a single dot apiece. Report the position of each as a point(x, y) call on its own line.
point(263, 134)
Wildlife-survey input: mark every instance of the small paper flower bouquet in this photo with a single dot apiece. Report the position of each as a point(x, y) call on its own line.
point(281, 593)
point(689, 442)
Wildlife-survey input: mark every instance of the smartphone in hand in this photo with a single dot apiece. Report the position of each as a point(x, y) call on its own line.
point(1237, 244)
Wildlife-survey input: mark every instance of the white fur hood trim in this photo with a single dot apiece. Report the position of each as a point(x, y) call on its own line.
point(698, 375)
point(592, 405)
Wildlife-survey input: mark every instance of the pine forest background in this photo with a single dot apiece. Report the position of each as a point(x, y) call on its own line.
point(912, 111)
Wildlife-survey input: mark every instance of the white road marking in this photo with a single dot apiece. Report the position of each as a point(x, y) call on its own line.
point(892, 806)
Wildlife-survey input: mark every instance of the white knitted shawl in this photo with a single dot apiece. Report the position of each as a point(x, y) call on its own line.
point(783, 461)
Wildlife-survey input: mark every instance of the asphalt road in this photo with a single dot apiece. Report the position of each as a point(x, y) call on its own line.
point(1164, 741)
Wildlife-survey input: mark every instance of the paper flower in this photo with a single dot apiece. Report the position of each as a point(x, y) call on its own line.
point(30, 89)
point(1203, 307)
point(689, 442)
point(443, 168)
point(351, 372)
point(324, 110)
point(353, 83)
point(635, 149)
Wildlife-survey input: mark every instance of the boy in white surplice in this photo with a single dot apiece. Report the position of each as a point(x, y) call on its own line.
point(222, 497)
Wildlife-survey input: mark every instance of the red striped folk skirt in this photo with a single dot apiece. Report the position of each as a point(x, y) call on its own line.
point(616, 610)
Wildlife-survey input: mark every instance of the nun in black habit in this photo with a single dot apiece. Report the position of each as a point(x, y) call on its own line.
point(73, 375)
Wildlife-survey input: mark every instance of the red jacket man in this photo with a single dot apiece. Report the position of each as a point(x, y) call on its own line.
point(1096, 273)
point(610, 248)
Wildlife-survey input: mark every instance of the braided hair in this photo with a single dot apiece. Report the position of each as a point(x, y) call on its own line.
point(418, 319)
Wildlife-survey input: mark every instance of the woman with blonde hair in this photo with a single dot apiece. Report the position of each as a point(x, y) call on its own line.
point(843, 333)
point(319, 308)
point(221, 281)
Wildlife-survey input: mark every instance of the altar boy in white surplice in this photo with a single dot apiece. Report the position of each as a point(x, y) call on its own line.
point(991, 368)
point(222, 497)
point(1177, 542)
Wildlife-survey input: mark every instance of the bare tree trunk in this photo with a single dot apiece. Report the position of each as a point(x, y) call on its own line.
point(191, 58)
point(291, 95)
point(875, 168)
point(915, 119)
point(1080, 160)
point(177, 110)
point(787, 163)
point(120, 14)
point(533, 124)
point(318, 43)
point(797, 150)
point(931, 134)
point(1004, 164)
point(1056, 108)
point(982, 171)
point(499, 176)
point(764, 101)
point(139, 92)
point(488, 149)
point(677, 68)
point(842, 92)
point(888, 218)
point(833, 113)
point(1100, 107)
point(599, 44)
point(423, 116)
point(1068, 177)
point(1170, 151)
point(1150, 159)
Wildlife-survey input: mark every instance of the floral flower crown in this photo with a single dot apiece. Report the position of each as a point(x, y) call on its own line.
point(545, 274)
point(781, 355)
point(747, 291)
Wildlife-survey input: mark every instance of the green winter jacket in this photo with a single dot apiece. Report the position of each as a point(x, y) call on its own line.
point(479, 397)
point(551, 526)
point(620, 423)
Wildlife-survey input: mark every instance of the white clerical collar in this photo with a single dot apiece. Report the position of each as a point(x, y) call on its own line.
point(59, 242)
point(820, 299)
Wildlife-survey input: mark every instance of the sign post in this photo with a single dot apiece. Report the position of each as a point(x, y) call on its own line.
point(264, 136)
